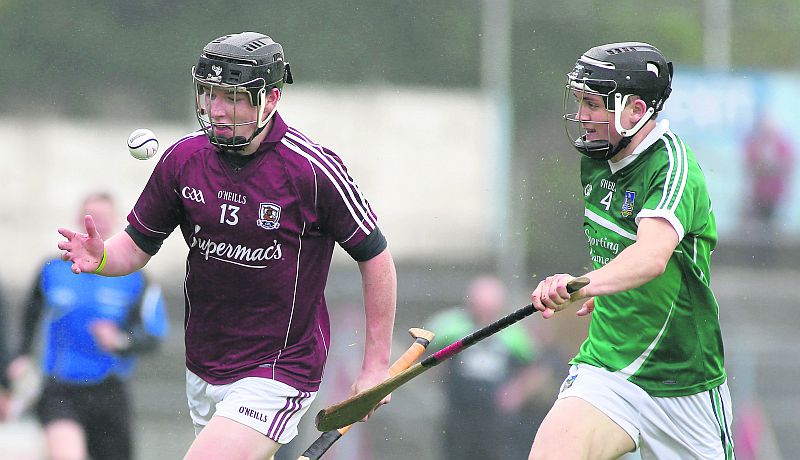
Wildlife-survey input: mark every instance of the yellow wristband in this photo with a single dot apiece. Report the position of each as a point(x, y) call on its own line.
point(102, 263)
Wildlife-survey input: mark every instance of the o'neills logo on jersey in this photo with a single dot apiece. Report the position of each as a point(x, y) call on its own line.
point(268, 216)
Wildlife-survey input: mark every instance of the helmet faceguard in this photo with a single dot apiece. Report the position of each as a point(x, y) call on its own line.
point(244, 65)
point(615, 72)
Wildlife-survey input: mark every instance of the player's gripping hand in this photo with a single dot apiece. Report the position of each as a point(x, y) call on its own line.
point(587, 308)
point(551, 295)
point(367, 380)
point(84, 250)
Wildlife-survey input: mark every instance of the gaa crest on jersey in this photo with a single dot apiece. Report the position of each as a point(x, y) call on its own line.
point(269, 215)
point(627, 203)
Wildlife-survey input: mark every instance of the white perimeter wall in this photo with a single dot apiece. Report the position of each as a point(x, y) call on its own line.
point(420, 156)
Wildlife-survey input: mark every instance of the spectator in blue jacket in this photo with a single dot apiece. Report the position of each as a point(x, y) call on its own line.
point(92, 329)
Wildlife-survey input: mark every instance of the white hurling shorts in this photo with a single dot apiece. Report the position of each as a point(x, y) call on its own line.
point(664, 428)
point(265, 405)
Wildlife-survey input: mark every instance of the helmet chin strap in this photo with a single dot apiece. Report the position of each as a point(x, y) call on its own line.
point(262, 96)
point(627, 134)
point(615, 149)
point(619, 105)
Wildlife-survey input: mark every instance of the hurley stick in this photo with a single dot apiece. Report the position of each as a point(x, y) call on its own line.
point(358, 406)
point(422, 339)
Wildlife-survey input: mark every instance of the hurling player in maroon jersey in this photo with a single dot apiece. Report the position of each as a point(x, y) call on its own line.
point(260, 207)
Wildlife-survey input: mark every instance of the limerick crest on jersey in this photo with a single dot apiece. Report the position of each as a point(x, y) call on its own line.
point(627, 204)
point(269, 215)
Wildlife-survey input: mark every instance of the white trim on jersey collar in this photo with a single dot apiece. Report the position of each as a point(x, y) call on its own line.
point(651, 138)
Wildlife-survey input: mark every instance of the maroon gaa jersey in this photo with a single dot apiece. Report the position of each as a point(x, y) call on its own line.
point(260, 241)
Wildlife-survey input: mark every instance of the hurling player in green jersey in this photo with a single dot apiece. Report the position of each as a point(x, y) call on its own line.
point(650, 376)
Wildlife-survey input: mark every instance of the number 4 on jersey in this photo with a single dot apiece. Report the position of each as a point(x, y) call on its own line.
point(607, 200)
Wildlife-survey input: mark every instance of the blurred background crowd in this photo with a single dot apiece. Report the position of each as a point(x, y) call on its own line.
point(449, 115)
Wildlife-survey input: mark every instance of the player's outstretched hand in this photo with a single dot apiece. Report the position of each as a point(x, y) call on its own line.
point(84, 250)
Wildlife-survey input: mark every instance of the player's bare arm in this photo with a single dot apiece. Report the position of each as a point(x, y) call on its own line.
point(87, 251)
point(641, 262)
point(379, 284)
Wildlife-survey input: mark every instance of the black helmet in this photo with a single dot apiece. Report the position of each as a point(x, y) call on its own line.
point(627, 68)
point(615, 71)
point(247, 61)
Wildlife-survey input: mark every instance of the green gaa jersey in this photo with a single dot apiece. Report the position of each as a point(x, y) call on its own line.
point(664, 336)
